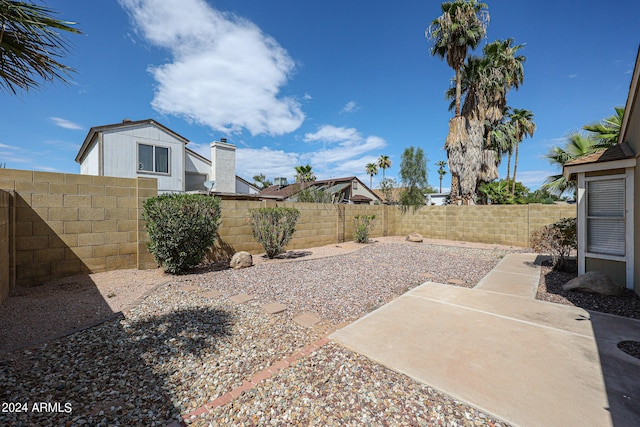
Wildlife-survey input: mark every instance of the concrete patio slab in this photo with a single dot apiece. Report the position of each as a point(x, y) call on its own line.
point(527, 362)
point(515, 274)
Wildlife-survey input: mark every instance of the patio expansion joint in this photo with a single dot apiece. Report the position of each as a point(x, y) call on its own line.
point(257, 378)
point(525, 322)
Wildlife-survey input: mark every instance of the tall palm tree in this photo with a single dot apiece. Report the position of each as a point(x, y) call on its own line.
point(503, 141)
point(371, 169)
point(441, 172)
point(305, 174)
point(462, 25)
point(30, 46)
point(607, 131)
point(384, 162)
point(577, 145)
point(522, 121)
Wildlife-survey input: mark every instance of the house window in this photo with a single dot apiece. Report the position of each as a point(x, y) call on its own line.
point(354, 185)
point(606, 217)
point(152, 158)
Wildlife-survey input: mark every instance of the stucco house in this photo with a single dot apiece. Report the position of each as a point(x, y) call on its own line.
point(608, 199)
point(349, 190)
point(146, 148)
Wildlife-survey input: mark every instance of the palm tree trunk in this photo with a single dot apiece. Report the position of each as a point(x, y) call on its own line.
point(370, 181)
point(440, 184)
point(508, 165)
point(515, 167)
point(458, 91)
point(454, 194)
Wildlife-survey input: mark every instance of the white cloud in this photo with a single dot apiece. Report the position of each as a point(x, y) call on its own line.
point(66, 124)
point(573, 76)
point(350, 107)
point(533, 179)
point(341, 152)
point(225, 73)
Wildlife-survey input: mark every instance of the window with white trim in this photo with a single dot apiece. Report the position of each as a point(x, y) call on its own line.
point(152, 158)
point(606, 217)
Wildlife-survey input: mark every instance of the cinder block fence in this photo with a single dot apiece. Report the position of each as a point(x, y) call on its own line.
point(56, 224)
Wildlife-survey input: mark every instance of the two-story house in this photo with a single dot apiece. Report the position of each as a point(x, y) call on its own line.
point(146, 148)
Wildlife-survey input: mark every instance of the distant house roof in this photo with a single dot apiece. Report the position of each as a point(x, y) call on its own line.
point(124, 124)
point(334, 185)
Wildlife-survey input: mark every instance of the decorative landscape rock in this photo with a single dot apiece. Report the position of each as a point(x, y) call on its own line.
point(594, 282)
point(241, 259)
point(414, 237)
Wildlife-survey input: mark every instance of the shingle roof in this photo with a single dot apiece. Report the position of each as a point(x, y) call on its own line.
point(617, 152)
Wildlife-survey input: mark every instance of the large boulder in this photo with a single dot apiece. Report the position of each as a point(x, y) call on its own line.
point(241, 259)
point(595, 282)
point(414, 237)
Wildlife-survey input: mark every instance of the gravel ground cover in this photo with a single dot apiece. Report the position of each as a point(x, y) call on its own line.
point(344, 288)
point(178, 349)
point(337, 387)
point(550, 289)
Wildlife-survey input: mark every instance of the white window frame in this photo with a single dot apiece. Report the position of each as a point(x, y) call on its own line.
point(623, 219)
point(628, 258)
point(154, 167)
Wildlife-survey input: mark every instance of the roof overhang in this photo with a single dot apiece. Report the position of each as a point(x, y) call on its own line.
point(570, 171)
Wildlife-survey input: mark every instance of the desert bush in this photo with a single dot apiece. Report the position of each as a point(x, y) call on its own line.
point(558, 240)
point(363, 226)
point(181, 228)
point(273, 227)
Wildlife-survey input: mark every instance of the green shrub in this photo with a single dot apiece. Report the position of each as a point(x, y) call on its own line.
point(273, 227)
point(181, 228)
point(363, 226)
point(558, 240)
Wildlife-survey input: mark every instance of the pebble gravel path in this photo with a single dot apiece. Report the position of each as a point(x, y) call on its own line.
point(183, 347)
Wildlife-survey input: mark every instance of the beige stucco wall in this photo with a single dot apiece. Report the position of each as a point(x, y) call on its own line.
point(328, 224)
point(4, 245)
point(633, 138)
point(67, 224)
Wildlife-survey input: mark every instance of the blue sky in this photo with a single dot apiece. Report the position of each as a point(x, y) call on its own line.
point(331, 83)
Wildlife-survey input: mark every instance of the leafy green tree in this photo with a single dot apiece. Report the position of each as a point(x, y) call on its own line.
point(31, 45)
point(441, 172)
point(387, 186)
point(413, 172)
point(522, 121)
point(305, 174)
point(261, 181)
point(384, 162)
point(371, 169)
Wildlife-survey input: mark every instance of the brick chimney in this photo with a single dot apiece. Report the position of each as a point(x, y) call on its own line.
point(223, 166)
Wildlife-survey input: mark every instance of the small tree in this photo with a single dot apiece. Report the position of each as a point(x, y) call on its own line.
point(273, 228)
point(363, 227)
point(386, 187)
point(261, 181)
point(181, 228)
point(441, 172)
point(558, 239)
point(413, 172)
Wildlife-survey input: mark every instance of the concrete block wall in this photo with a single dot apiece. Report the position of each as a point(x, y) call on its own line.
point(499, 224)
point(67, 224)
point(4, 245)
point(328, 224)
